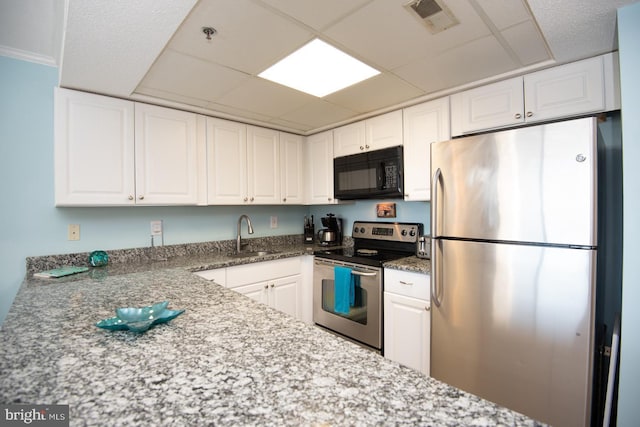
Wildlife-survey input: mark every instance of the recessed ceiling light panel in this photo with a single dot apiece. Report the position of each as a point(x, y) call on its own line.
point(318, 69)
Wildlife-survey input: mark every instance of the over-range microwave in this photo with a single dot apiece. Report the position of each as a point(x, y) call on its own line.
point(376, 174)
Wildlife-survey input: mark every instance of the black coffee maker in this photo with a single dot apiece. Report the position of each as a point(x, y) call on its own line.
point(331, 234)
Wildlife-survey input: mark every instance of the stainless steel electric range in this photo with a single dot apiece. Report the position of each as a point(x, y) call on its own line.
point(374, 244)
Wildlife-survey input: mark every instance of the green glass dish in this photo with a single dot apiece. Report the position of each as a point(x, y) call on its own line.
point(139, 319)
point(98, 258)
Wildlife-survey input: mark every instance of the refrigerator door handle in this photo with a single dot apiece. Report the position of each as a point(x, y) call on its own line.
point(435, 276)
point(434, 202)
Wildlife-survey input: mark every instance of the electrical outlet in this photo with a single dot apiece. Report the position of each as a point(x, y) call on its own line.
point(274, 222)
point(156, 227)
point(73, 232)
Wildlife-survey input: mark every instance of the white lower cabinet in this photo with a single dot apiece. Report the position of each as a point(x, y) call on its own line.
point(283, 294)
point(280, 284)
point(407, 319)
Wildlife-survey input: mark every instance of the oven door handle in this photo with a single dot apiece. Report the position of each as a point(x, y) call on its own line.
point(362, 273)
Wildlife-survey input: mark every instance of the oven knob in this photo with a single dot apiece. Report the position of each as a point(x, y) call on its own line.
point(404, 232)
point(412, 233)
point(362, 229)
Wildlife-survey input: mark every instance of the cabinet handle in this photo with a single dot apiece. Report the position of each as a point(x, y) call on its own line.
point(367, 147)
point(329, 199)
point(266, 286)
point(518, 116)
point(361, 147)
point(402, 282)
point(246, 198)
point(428, 308)
point(141, 197)
point(130, 197)
point(529, 114)
point(251, 199)
point(273, 285)
point(284, 199)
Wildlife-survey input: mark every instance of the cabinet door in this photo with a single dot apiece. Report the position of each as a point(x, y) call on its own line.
point(94, 150)
point(226, 162)
point(263, 165)
point(169, 162)
point(349, 139)
point(407, 331)
point(284, 295)
point(256, 291)
point(423, 124)
point(320, 168)
point(487, 107)
point(384, 131)
point(568, 90)
point(291, 168)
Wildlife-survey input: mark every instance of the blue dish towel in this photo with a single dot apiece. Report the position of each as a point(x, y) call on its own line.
point(344, 289)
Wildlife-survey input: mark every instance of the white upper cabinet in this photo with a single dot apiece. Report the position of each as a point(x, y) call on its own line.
point(226, 162)
point(94, 150)
point(574, 89)
point(371, 134)
point(423, 124)
point(384, 131)
point(243, 163)
point(349, 139)
point(490, 106)
point(291, 168)
point(263, 165)
point(103, 159)
point(170, 157)
point(319, 169)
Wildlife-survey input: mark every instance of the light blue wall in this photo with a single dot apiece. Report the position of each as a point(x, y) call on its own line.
point(629, 388)
point(366, 211)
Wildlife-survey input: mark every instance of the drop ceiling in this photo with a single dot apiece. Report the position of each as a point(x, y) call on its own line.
point(155, 50)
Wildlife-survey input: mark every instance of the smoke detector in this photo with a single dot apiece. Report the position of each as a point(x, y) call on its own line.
point(433, 13)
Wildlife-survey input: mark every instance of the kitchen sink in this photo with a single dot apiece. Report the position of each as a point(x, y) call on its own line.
point(251, 254)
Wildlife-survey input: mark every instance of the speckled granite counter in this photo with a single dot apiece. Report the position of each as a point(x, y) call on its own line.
point(226, 361)
point(411, 263)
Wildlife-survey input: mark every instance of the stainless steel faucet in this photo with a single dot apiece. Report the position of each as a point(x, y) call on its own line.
point(249, 228)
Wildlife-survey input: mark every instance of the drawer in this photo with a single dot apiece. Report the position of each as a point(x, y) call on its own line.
point(407, 283)
point(261, 271)
point(218, 275)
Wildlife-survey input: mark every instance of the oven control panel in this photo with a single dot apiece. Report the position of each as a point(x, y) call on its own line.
point(390, 231)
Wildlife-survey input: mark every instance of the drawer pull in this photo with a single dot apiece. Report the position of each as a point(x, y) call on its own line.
point(402, 282)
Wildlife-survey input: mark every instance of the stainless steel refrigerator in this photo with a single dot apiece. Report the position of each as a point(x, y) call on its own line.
point(514, 235)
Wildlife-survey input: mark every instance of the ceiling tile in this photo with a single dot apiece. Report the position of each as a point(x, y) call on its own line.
point(314, 13)
point(264, 97)
point(527, 43)
point(473, 61)
point(402, 38)
point(193, 77)
point(318, 113)
point(375, 93)
point(249, 37)
point(505, 13)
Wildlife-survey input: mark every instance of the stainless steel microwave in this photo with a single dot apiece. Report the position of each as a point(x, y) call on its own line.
point(377, 174)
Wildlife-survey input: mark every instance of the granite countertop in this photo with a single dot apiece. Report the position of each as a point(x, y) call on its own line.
point(226, 361)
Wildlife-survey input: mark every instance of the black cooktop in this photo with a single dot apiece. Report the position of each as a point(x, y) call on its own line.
point(363, 256)
point(376, 243)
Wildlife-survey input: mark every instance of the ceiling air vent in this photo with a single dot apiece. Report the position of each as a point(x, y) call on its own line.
point(433, 13)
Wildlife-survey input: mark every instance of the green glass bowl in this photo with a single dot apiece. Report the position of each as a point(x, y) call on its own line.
point(98, 258)
point(139, 319)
